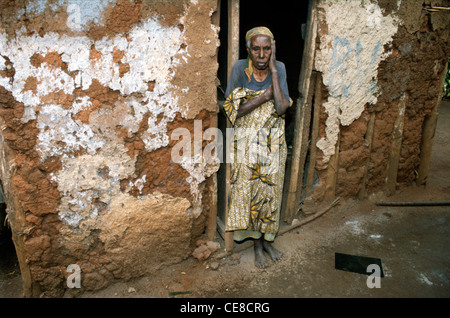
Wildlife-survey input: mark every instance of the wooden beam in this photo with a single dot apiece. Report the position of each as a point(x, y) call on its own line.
point(304, 82)
point(299, 158)
point(396, 144)
point(314, 134)
point(309, 218)
point(211, 226)
point(232, 57)
point(233, 34)
point(368, 141)
point(17, 220)
point(429, 128)
point(305, 123)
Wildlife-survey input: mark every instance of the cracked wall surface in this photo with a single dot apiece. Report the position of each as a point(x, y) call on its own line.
point(90, 92)
point(349, 62)
point(381, 54)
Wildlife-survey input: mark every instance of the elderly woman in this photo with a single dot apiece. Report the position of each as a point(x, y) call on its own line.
point(256, 99)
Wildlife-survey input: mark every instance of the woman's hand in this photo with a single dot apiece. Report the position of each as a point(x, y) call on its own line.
point(273, 58)
point(281, 102)
point(254, 103)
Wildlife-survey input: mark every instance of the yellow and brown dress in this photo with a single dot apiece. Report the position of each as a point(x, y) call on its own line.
point(257, 159)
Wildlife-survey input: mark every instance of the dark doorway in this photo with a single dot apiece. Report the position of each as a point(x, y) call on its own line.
point(9, 265)
point(285, 20)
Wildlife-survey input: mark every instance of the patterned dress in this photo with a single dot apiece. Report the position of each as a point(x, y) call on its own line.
point(257, 164)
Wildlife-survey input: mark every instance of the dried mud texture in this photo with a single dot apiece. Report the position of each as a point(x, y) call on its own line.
point(108, 203)
point(115, 16)
point(414, 68)
point(353, 154)
point(37, 194)
point(32, 198)
point(320, 164)
point(161, 174)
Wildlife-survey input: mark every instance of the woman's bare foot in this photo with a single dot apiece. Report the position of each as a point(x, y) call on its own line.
point(262, 245)
point(260, 260)
point(272, 251)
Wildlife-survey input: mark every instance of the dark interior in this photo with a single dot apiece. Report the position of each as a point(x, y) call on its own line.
point(287, 21)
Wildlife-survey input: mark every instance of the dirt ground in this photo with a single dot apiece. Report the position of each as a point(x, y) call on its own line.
point(412, 243)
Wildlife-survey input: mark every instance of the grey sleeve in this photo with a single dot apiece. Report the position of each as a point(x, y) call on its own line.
point(235, 78)
point(283, 78)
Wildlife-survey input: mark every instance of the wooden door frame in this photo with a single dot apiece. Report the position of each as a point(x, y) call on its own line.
point(306, 86)
point(214, 221)
point(295, 171)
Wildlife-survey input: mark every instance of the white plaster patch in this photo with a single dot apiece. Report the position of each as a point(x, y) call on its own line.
point(60, 134)
point(82, 12)
point(4, 81)
point(216, 30)
point(139, 183)
point(199, 169)
point(151, 51)
point(349, 62)
point(2, 63)
point(89, 181)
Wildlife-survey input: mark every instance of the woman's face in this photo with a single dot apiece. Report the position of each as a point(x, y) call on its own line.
point(259, 51)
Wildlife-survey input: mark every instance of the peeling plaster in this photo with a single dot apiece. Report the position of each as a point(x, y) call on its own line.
point(349, 62)
point(89, 183)
point(152, 53)
point(60, 134)
point(80, 12)
point(2, 63)
point(92, 107)
point(199, 169)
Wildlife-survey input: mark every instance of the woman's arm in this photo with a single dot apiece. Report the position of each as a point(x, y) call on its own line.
point(251, 105)
point(281, 102)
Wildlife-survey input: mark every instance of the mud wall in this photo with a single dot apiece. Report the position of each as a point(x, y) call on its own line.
point(382, 68)
point(90, 93)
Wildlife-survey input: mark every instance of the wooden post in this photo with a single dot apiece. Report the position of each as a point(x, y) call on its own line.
point(299, 157)
point(233, 34)
point(429, 128)
point(396, 144)
point(304, 82)
point(232, 57)
point(314, 134)
point(368, 141)
point(211, 226)
point(305, 124)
